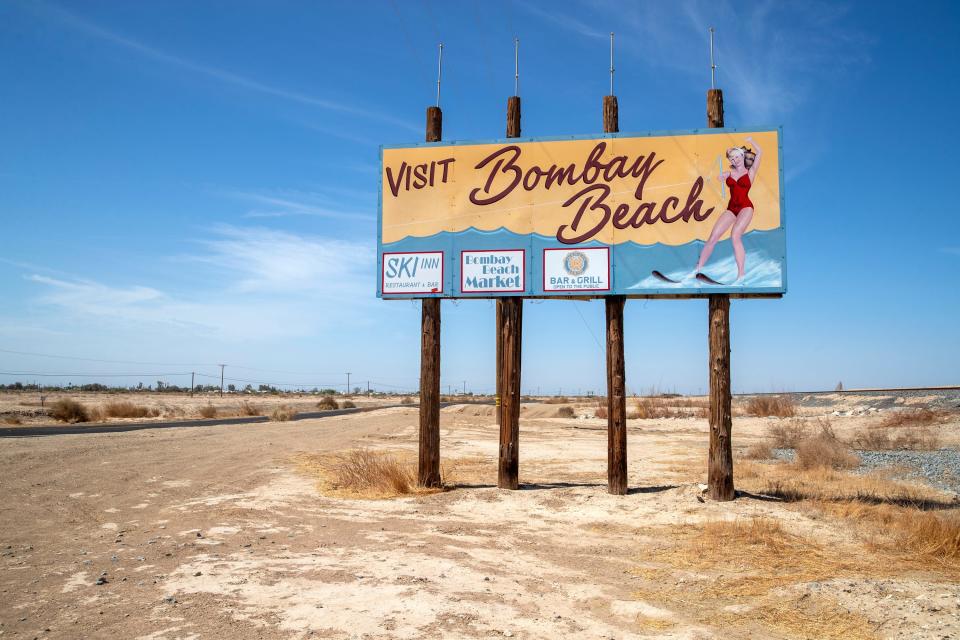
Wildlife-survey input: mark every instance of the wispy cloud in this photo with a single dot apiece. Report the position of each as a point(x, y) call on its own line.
point(227, 77)
point(268, 261)
point(563, 21)
point(334, 203)
point(257, 283)
point(767, 70)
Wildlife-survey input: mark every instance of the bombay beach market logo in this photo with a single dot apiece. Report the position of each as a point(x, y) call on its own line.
point(575, 263)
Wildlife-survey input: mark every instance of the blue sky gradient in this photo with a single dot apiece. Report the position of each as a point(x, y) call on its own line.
point(183, 184)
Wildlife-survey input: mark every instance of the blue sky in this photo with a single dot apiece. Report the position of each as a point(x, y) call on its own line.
point(188, 183)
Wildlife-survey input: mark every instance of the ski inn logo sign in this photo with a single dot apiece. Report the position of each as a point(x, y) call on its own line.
point(694, 212)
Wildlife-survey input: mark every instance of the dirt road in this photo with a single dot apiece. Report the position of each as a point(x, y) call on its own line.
point(216, 533)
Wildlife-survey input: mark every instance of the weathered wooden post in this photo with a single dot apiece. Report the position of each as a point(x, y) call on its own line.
point(509, 333)
point(428, 473)
point(616, 375)
point(720, 457)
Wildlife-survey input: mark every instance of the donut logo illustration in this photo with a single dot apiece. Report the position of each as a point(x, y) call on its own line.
point(575, 263)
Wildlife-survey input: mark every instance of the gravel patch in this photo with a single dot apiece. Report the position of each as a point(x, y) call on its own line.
point(940, 468)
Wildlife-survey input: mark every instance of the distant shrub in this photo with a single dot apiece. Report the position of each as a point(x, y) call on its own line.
point(67, 410)
point(779, 406)
point(600, 411)
point(248, 409)
point(648, 408)
point(911, 417)
point(126, 409)
point(557, 400)
point(282, 413)
point(208, 411)
point(759, 451)
point(348, 404)
point(406, 400)
point(787, 435)
point(327, 403)
point(565, 412)
point(825, 450)
point(12, 419)
point(913, 438)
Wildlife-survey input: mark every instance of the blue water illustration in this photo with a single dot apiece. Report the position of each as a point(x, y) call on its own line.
point(632, 265)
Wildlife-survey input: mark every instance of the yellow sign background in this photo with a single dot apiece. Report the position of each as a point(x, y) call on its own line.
point(446, 206)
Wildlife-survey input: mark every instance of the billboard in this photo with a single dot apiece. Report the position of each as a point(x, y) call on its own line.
point(693, 212)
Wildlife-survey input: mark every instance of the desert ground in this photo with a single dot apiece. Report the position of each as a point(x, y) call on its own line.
point(249, 531)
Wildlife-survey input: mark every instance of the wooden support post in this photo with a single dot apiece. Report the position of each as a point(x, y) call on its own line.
point(428, 471)
point(720, 457)
point(513, 131)
point(616, 399)
point(616, 368)
point(508, 474)
point(509, 333)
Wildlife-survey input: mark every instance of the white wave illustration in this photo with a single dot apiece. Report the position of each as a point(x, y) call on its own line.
point(761, 271)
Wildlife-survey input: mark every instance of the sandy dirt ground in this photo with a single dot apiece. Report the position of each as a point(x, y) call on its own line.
point(219, 532)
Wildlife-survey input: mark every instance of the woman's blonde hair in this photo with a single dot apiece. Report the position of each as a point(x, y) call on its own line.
point(748, 155)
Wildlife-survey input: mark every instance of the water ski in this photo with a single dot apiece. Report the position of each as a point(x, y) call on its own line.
point(702, 277)
point(660, 276)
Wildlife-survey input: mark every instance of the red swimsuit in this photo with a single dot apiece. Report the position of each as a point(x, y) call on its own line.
point(739, 190)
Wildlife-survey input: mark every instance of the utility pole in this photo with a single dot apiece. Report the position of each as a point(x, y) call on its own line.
point(464, 387)
point(348, 383)
point(221, 378)
point(368, 387)
point(192, 374)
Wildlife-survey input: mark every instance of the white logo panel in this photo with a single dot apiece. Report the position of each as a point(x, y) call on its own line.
point(576, 269)
point(414, 272)
point(493, 270)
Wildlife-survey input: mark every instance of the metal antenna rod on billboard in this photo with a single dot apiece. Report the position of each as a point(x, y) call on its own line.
point(713, 66)
point(439, 73)
point(516, 66)
point(611, 63)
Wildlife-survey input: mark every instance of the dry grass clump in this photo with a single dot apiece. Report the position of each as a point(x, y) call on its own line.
point(12, 419)
point(912, 417)
point(778, 406)
point(556, 400)
point(67, 410)
point(127, 409)
point(753, 559)
point(649, 408)
point(406, 400)
point(600, 411)
point(327, 403)
point(365, 473)
point(348, 404)
point(825, 450)
point(208, 411)
point(759, 451)
point(565, 412)
point(927, 534)
point(788, 434)
point(919, 524)
point(913, 438)
point(282, 413)
point(249, 409)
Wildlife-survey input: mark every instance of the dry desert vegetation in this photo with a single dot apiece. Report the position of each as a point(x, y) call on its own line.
point(847, 525)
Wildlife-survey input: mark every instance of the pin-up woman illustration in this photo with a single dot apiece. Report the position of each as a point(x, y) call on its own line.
point(744, 164)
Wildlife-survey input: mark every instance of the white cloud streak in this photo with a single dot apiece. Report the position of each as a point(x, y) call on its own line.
point(259, 284)
point(92, 29)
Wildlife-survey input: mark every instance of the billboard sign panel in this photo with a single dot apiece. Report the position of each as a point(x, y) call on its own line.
point(693, 212)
